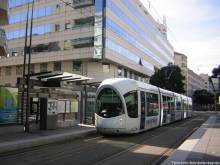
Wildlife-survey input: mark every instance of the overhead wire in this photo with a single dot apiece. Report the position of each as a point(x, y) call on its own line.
point(170, 31)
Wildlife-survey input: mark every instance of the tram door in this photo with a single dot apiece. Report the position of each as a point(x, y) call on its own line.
point(143, 107)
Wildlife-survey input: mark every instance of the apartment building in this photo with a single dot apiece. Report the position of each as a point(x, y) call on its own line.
point(95, 38)
point(192, 80)
point(181, 61)
point(195, 82)
point(207, 83)
point(3, 21)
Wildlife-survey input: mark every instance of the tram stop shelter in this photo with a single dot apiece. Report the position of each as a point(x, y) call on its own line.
point(58, 99)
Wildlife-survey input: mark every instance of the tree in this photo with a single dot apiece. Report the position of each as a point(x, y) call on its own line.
point(170, 78)
point(203, 97)
point(216, 72)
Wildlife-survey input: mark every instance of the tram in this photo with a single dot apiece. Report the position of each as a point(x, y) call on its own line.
point(125, 106)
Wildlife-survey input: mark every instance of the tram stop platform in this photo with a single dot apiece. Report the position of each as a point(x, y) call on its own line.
point(202, 147)
point(13, 137)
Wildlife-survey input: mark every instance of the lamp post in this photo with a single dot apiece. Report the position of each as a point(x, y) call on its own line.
point(24, 68)
point(28, 74)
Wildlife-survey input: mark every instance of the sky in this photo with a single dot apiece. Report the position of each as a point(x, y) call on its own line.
point(193, 29)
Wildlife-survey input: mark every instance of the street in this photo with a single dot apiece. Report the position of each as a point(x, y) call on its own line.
point(151, 147)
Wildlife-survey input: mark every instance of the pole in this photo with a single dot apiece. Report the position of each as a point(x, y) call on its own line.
point(24, 68)
point(28, 75)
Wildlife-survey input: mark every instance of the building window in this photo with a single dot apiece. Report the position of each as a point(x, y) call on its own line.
point(57, 66)
point(67, 26)
point(119, 71)
point(57, 6)
point(8, 71)
point(82, 3)
point(89, 21)
point(19, 70)
point(37, 30)
point(77, 66)
point(106, 68)
point(57, 28)
point(183, 65)
point(43, 67)
point(83, 42)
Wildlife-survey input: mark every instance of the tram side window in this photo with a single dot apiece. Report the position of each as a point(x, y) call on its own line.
point(152, 104)
point(178, 104)
point(142, 102)
point(165, 103)
point(131, 101)
point(185, 105)
point(109, 104)
point(168, 103)
point(172, 103)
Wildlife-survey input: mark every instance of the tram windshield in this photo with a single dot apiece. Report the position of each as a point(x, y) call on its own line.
point(109, 104)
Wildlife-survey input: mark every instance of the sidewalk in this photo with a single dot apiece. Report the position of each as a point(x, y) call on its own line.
point(14, 138)
point(202, 147)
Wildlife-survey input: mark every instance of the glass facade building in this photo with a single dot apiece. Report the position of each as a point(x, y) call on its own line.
point(114, 33)
point(140, 39)
point(94, 38)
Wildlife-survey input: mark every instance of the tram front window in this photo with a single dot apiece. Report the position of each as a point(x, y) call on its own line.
point(109, 104)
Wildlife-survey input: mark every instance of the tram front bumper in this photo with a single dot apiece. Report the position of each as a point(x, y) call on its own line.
point(111, 125)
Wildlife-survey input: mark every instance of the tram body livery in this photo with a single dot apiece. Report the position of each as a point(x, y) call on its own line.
point(129, 106)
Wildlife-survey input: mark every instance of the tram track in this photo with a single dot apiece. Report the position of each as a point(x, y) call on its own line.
point(104, 149)
point(167, 152)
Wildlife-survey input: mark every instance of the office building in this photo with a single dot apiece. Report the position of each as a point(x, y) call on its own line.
point(195, 82)
point(207, 83)
point(192, 80)
point(3, 21)
point(95, 38)
point(181, 61)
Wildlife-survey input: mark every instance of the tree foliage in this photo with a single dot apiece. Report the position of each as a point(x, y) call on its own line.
point(216, 72)
point(170, 78)
point(203, 97)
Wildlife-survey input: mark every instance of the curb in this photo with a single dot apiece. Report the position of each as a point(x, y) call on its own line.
point(40, 141)
point(184, 150)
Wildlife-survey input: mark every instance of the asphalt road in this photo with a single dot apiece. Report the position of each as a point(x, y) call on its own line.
point(151, 147)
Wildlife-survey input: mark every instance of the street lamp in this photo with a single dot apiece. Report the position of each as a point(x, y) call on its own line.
point(26, 79)
point(24, 68)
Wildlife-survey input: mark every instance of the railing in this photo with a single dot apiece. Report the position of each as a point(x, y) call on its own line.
point(82, 3)
point(83, 41)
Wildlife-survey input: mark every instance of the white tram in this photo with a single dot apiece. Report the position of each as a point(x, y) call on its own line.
point(128, 106)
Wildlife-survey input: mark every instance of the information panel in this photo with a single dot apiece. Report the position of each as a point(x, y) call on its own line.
point(8, 105)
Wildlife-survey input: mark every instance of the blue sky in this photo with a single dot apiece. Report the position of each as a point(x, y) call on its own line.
point(194, 29)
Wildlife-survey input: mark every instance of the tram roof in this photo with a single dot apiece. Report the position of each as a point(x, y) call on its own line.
point(125, 85)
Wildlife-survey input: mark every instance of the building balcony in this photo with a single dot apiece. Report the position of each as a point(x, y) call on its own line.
point(83, 42)
point(82, 3)
point(3, 12)
point(3, 46)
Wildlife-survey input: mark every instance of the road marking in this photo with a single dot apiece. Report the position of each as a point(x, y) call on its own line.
point(87, 140)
